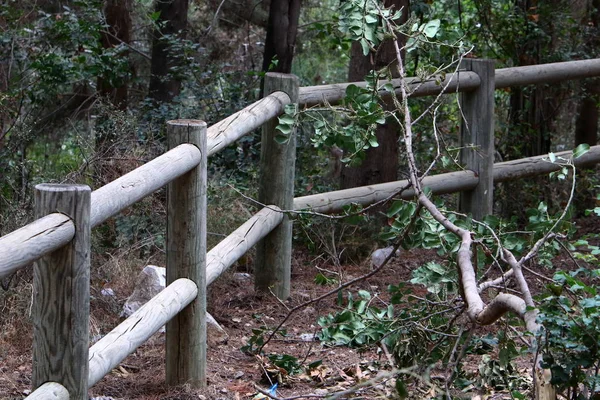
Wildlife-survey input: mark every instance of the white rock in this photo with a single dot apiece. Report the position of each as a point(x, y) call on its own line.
point(242, 277)
point(307, 337)
point(379, 256)
point(150, 282)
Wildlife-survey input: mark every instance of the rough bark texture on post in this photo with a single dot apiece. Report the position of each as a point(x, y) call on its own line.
point(477, 138)
point(277, 163)
point(186, 258)
point(61, 295)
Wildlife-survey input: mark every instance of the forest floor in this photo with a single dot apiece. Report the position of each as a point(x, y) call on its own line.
point(233, 374)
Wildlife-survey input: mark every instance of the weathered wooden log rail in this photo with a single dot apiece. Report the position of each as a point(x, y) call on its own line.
point(59, 239)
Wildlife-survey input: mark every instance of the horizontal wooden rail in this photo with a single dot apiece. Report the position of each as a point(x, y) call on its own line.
point(547, 73)
point(234, 246)
point(450, 182)
point(333, 94)
point(539, 165)
point(27, 244)
point(119, 194)
point(22, 247)
point(49, 391)
point(232, 128)
point(505, 77)
point(331, 202)
point(109, 351)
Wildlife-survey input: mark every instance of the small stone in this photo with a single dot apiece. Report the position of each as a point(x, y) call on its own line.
point(238, 375)
point(307, 337)
point(308, 310)
point(107, 292)
point(242, 277)
point(150, 282)
point(379, 256)
point(216, 335)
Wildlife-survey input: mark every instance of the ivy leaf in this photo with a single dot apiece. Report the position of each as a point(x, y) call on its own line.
point(281, 139)
point(365, 46)
point(370, 19)
point(401, 389)
point(431, 28)
point(581, 150)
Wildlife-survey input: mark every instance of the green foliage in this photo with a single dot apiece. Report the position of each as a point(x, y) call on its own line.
point(287, 362)
point(359, 324)
point(364, 21)
point(437, 278)
point(355, 122)
point(257, 340)
point(287, 123)
point(411, 327)
point(570, 315)
point(323, 280)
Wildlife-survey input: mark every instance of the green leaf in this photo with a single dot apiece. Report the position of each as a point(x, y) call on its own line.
point(518, 395)
point(581, 150)
point(395, 208)
point(552, 157)
point(286, 120)
point(281, 139)
point(365, 46)
point(370, 19)
point(155, 16)
point(431, 28)
point(285, 129)
point(352, 90)
point(373, 141)
point(401, 389)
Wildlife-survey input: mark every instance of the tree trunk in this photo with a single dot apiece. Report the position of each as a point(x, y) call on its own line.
point(164, 83)
point(117, 31)
point(586, 128)
point(281, 35)
point(381, 163)
point(533, 110)
point(240, 11)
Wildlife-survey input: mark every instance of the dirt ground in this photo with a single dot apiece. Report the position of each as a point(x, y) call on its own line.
point(232, 374)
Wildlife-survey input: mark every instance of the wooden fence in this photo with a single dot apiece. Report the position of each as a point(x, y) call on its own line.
point(58, 241)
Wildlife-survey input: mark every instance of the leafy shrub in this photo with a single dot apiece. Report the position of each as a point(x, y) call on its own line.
point(570, 315)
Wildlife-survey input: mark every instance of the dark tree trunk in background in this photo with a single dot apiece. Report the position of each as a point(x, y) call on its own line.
point(117, 31)
point(164, 83)
point(281, 35)
point(381, 163)
point(237, 12)
point(586, 128)
point(533, 110)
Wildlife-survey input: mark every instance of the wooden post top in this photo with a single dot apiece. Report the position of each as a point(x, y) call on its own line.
point(187, 122)
point(62, 187)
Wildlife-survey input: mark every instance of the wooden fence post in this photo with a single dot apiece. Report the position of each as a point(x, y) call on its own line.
point(61, 295)
point(186, 258)
point(477, 138)
point(276, 186)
